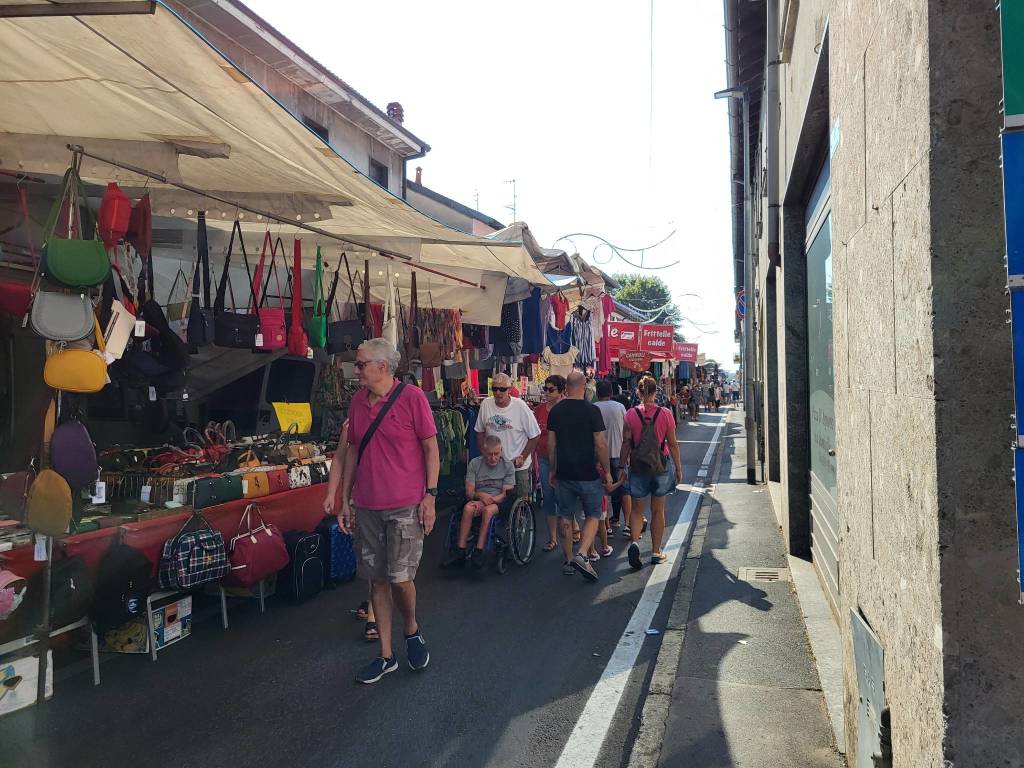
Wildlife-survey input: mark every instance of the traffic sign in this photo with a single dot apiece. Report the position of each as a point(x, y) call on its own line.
point(741, 304)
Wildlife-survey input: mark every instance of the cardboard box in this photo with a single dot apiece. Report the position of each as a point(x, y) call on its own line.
point(172, 622)
point(18, 680)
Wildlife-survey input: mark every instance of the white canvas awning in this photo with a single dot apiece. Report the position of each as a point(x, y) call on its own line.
point(148, 91)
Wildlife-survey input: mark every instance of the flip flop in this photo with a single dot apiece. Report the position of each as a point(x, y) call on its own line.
point(550, 546)
point(362, 611)
point(370, 633)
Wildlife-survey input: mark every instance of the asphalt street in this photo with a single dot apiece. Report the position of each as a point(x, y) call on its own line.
point(514, 659)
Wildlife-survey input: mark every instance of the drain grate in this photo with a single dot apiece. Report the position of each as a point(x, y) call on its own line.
point(763, 574)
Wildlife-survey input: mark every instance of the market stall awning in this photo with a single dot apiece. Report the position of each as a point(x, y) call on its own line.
point(148, 91)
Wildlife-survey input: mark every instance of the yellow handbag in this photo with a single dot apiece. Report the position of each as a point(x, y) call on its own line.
point(78, 370)
point(255, 484)
point(48, 507)
point(249, 459)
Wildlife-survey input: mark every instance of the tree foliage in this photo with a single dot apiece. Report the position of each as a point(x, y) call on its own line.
point(648, 292)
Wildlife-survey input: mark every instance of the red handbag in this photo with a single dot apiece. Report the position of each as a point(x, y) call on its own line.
point(277, 480)
point(114, 215)
point(271, 334)
point(298, 341)
point(255, 552)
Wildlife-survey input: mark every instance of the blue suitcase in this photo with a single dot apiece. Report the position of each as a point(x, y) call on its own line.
point(339, 556)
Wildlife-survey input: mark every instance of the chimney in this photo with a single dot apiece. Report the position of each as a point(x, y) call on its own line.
point(419, 175)
point(395, 112)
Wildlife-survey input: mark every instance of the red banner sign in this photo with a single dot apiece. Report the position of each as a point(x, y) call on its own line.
point(635, 361)
point(657, 339)
point(685, 352)
point(623, 337)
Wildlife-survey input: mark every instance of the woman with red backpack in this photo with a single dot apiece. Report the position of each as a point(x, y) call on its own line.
point(651, 454)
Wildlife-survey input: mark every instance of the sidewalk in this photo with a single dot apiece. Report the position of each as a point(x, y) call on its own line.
point(746, 691)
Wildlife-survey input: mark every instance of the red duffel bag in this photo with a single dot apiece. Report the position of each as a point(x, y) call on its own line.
point(255, 553)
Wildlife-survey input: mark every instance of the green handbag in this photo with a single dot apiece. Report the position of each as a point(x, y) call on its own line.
point(317, 327)
point(75, 262)
point(210, 491)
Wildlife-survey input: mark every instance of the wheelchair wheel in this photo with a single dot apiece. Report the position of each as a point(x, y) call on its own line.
point(522, 531)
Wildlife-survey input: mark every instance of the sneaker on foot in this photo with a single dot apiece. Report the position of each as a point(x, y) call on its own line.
point(593, 557)
point(376, 669)
point(457, 559)
point(659, 558)
point(607, 551)
point(625, 532)
point(567, 569)
point(633, 553)
point(477, 558)
point(416, 651)
point(582, 564)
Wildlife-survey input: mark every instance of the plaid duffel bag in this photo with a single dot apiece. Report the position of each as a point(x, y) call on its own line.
point(193, 558)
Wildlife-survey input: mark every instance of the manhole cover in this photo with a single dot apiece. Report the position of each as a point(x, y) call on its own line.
point(763, 574)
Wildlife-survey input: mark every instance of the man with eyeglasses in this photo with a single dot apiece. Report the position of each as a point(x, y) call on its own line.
point(511, 421)
point(391, 470)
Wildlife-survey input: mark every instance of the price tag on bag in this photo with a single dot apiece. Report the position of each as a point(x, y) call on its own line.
point(259, 339)
point(152, 394)
point(140, 328)
point(99, 494)
point(145, 493)
point(309, 352)
point(245, 486)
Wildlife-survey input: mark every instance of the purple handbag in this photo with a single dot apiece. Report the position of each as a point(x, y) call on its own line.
point(73, 456)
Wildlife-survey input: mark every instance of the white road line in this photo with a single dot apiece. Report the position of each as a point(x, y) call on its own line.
point(587, 738)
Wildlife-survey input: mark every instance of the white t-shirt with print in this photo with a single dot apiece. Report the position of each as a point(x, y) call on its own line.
point(614, 415)
point(515, 425)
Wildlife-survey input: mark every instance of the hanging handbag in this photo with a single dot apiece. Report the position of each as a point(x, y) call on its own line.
point(114, 215)
point(178, 306)
point(120, 329)
point(48, 507)
point(200, 316)
point(78, 370)
point(74, 261)
point(140, 229)
point(272, 333)
point(344, 335)
point(193, 558)
point(73, 455)
point(431, 355)
point(298, 342)
point(255, 553)
point(317, 328)
point(62, 316)
point(234, 329)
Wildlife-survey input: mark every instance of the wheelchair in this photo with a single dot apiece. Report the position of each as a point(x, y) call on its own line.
point(511, 534)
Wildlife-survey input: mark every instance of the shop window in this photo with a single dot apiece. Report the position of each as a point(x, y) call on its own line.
point(316, 128)
point(290, 381)
point(379, 173)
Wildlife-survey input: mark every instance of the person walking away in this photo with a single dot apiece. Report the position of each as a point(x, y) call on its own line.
point(391, 470)
point(576, 444)
point(718, 397)
point(614, 414)
point(490, 477)
point(511, 421)
point(554, 390)
point(334, 478)
point(650, 451)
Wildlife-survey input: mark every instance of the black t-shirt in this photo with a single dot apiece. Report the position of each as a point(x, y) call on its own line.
point(574, 423)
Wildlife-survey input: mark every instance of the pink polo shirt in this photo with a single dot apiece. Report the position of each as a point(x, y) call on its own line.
point(392, 473)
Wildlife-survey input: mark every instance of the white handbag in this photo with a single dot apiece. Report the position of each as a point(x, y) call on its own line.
point(298, 476)
point(119, 330)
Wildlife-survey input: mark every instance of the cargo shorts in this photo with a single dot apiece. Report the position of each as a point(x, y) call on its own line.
point(389, 543)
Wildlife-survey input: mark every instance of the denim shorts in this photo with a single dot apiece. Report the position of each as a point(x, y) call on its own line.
point(641, 486)
point(573, 493)
point(550, 501)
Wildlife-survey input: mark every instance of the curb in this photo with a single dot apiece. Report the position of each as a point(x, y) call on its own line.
point(646, 751)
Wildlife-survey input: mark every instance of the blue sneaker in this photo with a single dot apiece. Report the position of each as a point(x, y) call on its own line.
point(376, 669)
point(416, 650)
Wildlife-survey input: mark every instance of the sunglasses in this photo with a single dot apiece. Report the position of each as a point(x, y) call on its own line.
point(361, 364)
point(550, 389)
point(501, 389)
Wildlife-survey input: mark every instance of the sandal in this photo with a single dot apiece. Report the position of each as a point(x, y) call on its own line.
point(607, 551)
point(370, 633)
point(363, 611)
point(550, 546)
point(576, 537)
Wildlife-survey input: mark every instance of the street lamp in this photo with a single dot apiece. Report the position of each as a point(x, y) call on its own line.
point(747, 349)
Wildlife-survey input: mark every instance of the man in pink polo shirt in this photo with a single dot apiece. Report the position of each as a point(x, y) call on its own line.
point(390, 474)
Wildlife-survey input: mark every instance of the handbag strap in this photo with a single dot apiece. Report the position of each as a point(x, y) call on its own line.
point(180, 276)
point(372, 429)
point(273, 268)
point(319, 306)
point(296, 283)
point(257, 279)
point(225, 281)
point(202, 263)
point(333, 292)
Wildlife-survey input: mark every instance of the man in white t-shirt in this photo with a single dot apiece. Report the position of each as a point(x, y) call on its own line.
point(511, 421)
point(614, 415)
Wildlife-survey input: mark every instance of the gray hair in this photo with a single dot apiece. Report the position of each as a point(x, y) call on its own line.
point(492, 441)
point(383, 351)
point(502, 380)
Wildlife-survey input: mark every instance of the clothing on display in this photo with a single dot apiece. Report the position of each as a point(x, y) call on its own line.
point(559, 342)
point(560, 364)
point(533, 331)
point(583, 340)
point(560, 308)
point(508, 337)
point(595, 306)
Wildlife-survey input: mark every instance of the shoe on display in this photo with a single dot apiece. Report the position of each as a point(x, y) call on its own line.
point(633, 553)
point(582, 564)
point(416, 650)
point(376, 669)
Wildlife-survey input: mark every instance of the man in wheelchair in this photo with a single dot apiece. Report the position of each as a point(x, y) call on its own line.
point(490, 479)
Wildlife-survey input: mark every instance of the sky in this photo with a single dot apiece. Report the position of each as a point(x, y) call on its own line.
point(561, 96)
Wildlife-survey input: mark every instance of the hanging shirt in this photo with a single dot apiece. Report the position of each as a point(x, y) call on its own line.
point(533, 336)
point(560, 308)
point(508, 337)
point(583, 340)
point(559, 341)
point(604, 355)
point(594, 305)
point(560, 364)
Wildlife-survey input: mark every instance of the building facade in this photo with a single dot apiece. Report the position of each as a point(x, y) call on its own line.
point(883, 365)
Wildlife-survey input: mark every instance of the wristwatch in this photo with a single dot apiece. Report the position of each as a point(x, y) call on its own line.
point(432, 491)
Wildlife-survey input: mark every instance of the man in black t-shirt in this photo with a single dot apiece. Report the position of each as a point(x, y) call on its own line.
point(576, 446)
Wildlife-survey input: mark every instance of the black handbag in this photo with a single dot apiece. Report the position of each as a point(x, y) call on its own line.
point(234, 329)
point(200, 315)
point(343, 336)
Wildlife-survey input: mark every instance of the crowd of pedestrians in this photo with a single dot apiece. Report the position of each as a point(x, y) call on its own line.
point(602, 466)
